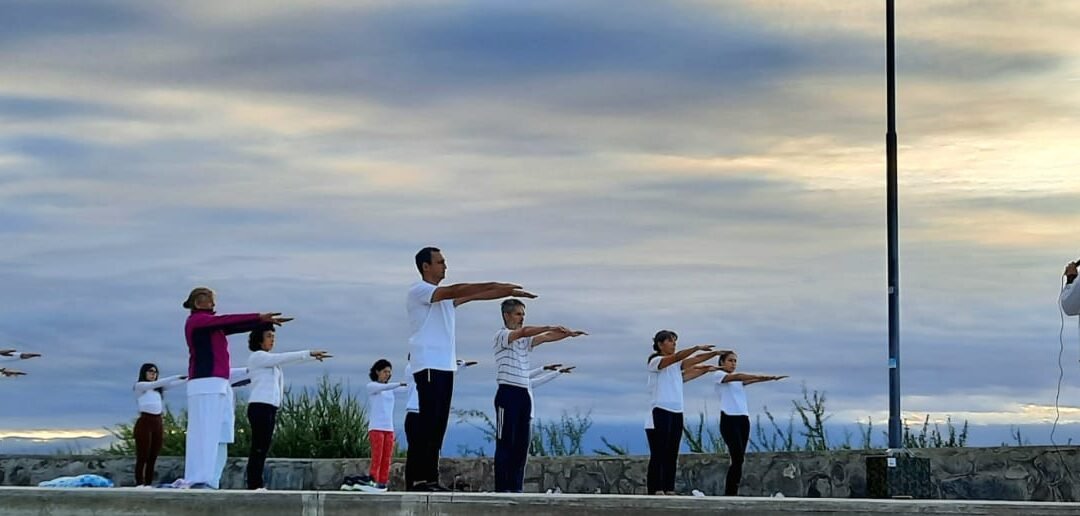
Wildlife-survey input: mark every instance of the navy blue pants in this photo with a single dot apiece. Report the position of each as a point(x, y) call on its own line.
point(513, 408)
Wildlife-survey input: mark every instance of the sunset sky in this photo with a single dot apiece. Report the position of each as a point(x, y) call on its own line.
point(712, 167)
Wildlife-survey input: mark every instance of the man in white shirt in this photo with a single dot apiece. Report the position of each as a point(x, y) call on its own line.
point(431, 312)
point(513, 399)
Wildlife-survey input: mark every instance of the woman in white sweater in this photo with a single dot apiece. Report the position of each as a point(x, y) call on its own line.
point(149, 431)
point(267, 391)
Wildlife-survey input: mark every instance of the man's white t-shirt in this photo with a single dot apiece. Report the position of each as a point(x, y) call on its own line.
point(732, 396)
point(665, 386)
point(432, 328)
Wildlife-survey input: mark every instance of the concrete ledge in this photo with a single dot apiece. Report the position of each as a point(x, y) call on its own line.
point(21, 501)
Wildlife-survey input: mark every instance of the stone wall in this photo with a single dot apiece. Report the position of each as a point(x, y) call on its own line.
point(1005, 473)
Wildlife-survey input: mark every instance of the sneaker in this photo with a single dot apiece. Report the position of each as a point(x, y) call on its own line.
point(369, 487)
point(348, 483)
point(697, 493)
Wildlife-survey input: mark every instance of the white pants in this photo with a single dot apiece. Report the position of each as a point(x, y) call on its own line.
point(207, 415)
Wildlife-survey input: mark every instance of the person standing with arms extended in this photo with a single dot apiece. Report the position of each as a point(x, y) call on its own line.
point(735, 415)
point(513, 399)
point(208, 387)
point(664, 426)
point(267, 392)
point(149, 430)
point(432, 323)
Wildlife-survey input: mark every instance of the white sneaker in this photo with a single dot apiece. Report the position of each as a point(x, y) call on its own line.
point(697, 493)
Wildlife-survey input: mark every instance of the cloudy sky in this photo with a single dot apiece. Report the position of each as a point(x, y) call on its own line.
point(712, 167)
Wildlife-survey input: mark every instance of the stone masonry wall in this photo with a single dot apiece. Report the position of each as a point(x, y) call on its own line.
point(1004, 473)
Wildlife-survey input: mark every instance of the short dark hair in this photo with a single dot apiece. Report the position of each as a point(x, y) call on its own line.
point(255, 338)
point(723, 356)
point(379, 365)
point(510, 304)
point(424, 256)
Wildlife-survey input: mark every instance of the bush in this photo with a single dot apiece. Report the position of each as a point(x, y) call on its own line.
point(325, 422)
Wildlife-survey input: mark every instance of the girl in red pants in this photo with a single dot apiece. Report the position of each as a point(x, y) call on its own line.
point(148, 428)
point(381, 424)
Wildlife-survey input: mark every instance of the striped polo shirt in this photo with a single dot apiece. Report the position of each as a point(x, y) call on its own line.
point(512, 359)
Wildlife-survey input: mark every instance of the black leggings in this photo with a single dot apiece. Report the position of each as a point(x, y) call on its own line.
point(736, 433)
point(262, 417)
point(664, 440)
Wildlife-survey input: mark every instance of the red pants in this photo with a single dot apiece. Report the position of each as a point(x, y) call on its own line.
point(382, 451)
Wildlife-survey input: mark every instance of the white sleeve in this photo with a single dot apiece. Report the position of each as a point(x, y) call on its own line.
point(260, 359)
point(421, 293)
point(719, 375)
point(165, 383)
point(238, 374)
point(654, 363)
point(1070, 299)
point(542, 379)
point(502, 339)
point(533, 373)
point(374, 388)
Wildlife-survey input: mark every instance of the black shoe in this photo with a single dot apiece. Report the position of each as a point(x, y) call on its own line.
point(435, 487)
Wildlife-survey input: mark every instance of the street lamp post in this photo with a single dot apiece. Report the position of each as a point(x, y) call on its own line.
point(893, 260)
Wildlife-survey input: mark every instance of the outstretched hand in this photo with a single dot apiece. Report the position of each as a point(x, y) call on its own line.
point(274, 318)
point(566, 370)
point(521, 293)
point(704, 347)
point(1071, 270)
point(469, 363)
point(320, 355)
point(568, 332)
point(7, 352)
point(774, 378)
point(552, 367)
point(25, 356)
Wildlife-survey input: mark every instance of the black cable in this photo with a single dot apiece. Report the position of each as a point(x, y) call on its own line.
point(1061, 377)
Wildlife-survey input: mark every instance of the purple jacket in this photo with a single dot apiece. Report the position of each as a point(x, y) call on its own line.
point(208, 349)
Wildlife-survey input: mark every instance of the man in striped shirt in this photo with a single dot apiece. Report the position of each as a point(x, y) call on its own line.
point(513, 405)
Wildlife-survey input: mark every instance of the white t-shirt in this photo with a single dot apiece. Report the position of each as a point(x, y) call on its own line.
point(381, 405)
point(432, 328)
point(665, 386)
point(732, 396)
point(512, 359)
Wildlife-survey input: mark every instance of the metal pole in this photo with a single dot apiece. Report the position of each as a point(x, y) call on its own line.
point(895, 434)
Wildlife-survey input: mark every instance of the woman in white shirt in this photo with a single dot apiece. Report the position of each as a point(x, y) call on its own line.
point(267, 391)
point(664, 427)
point(381, 424)
point(734, 415)
point(148, 431)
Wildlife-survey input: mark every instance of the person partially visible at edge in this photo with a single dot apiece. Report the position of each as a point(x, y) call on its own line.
point(734, 414)
point(1070, 294)
point(208, 387)
point(432, 322)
